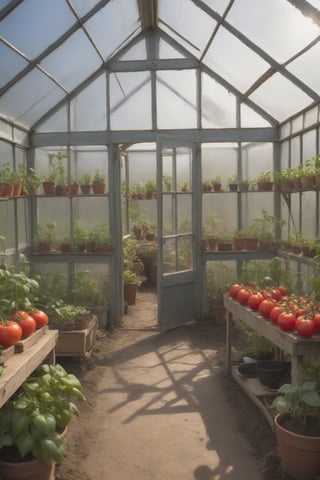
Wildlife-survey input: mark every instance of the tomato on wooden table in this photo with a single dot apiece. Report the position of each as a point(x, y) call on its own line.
point(40, 317)
point(286, 321)
point(243, 296)
point(26, 322)
point(254, 300)
point(276, 294)
point(284, 291)
point(10, 333)
point(275, 312)
point(266, 306)
point(305, 326)
point(234, 289)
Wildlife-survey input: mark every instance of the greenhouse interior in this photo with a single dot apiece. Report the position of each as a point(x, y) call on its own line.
point(199, 120)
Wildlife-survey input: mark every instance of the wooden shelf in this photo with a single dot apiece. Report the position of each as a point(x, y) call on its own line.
point(19, 366)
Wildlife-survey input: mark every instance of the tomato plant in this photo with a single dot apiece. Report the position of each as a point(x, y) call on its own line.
point(10, 333)
point(26, 322)
point(40, 317)
point(266, 306)
point(286, 321)
point(305, 326)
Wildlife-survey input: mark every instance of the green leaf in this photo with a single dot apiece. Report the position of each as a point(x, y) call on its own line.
point(45, 423)
point(311, 398)
point(24, 444)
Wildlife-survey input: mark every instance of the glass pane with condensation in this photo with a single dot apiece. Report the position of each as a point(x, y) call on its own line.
point(234, 61)
point(176, 99)
point(111, 27)
point(33, 25)
point(130, 101)
point(73, 61)
point(304, 68)
point(57, 122)
point(11, 64)
point(30, 98)
point(83, 6)
point(88, 110)
point(251, 119)
point(187, 24)
point(218, 105)
point(136, 52)
point(218, 6)
point(280, 97)
point(278, 28)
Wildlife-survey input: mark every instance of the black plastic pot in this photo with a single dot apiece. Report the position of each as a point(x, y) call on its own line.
point(273, 373)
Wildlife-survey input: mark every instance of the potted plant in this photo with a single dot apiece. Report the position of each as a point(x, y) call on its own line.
point(98, 182)
point(216, 183)
point(233, 183)
point(33, 424)
point(244, 184)
point(32, 182)
point(210, 231)
point(264, 181)
point(131, 282)
point(61, 187)
point(151, 189)
point(7, 180)
point(166, 183)
point(45, 238)
point(297, 429)
point(74, 188)
point(218, 280)
point(102, 239)
point(49, 180)
point(85, 183)
point(80, 236)
point(206, 186)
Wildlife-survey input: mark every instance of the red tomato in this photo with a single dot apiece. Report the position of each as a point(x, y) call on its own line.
point(10, 333)
point(234, 289)
point(286, 321)
point(243, 296)
point(276, 294)
point(266, 306)
point(305, 326)
point(316, 319)
point(254, 300)
point(284, 291)
point(26, 322)
point(40, 317)
point(275, 312)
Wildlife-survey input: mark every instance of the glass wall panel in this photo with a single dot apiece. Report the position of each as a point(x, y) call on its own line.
point(309, 145)
point(176, 99)
point(88, 110)
point(192, 29)
point(87, 160)
point(285, 130)
point(251, 119)
point(238, 55)
point(11, 62)
point(33, 25)
point(279, 97)
point(284, 154)
point(258, 18)
point(308, 220)
point(128, 92)
point(311, 117)
point(257, 158)
point(297, 124)
point(23, 223)
point(5, 130)
point(82, 61)
point(6, 153)
point(218, 105)
point(295, 153)
point(7, 224)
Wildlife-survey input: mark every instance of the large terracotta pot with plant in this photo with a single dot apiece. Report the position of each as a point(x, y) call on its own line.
point(297, 428)
point(131, 282)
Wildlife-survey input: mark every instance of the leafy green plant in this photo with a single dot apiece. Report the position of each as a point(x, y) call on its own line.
point(216, 180)
point(266, 176)
point(87, 289)
point(31, 423)
point(233, 180)
point(130, 277)
point(98, 177)
point(46, 234)
point(85, 179)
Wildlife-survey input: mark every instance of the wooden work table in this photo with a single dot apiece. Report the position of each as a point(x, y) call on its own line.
point(19, 366)
point(289, 342)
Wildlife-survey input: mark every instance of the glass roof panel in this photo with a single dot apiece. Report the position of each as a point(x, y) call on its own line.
point(304, 68)
point(33, 25)
point(3, 3)
point(11, 64)
point(30, 98)
point(193, 27)
point(83, 6)
point(110, 27)
point(88, 110)
point(57, 122)
point(315, 3)
point(218, 6)
point(168, 51)
point(218, 105)
point(251, 119)
point(280, 97)
point(227, 56)
point(81, 57)
point(278, 28)
point(136, 52)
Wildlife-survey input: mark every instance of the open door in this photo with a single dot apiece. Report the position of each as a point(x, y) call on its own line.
point(178, 270)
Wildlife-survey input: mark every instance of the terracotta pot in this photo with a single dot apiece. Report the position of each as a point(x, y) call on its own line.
point(233, 187)
point(265, 186)
point(239, 243)
point(217, 187)
point(243, 187)
point(224, 246)
point(217, 310)
point(17, 189)
point(32, 470)
point(297, 183)
point(74, 188)
point(300, 454)
point(42, 247)
point(8, 190)
point(61, 189)
point(307, 182)
point(251, 243)
point(98, 188)
point(48, 188)
point(212, 243)
point(287, 185)
point(65, 248)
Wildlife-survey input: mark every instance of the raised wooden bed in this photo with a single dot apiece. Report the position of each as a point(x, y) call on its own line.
point(77, 343)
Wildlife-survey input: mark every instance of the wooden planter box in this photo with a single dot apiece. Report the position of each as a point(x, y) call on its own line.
point(77, 343)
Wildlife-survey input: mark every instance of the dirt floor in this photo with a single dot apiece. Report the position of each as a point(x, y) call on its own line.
point(159, 406)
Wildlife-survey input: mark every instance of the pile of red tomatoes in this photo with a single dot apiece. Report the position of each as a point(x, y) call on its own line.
point(289, 311)
point(21, 325)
